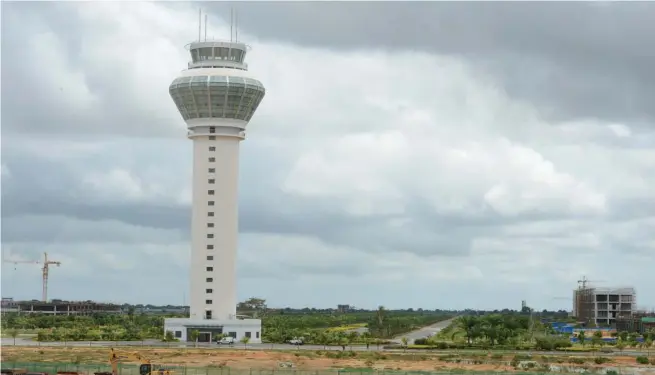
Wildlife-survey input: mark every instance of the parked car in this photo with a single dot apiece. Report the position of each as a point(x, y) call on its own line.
point(227, 341)
point(296, 341)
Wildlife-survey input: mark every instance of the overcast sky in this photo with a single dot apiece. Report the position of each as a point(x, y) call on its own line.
point(433, 155)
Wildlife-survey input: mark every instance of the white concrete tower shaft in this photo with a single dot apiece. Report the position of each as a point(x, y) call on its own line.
point(216, 97)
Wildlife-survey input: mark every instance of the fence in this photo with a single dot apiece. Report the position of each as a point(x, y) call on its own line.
point(88, 369)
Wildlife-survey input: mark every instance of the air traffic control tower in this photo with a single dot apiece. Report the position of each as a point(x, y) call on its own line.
point(216, 97)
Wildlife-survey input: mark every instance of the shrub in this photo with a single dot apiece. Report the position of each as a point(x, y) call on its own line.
point(601, 360)
point(442, 345)
point(642, 360)
point(518, 358)
point(551, 343)
point(421, 341)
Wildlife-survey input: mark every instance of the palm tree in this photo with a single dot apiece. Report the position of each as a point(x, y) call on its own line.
point(468, 324)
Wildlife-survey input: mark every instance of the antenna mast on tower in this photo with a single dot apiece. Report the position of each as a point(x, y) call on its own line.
point(199, 23)
point(231, 24)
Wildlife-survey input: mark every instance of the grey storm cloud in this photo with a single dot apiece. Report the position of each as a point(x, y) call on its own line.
point(575, 60)
point(568, 60)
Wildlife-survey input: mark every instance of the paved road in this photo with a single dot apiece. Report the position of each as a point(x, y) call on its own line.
point(425, 331)
point(155, 343)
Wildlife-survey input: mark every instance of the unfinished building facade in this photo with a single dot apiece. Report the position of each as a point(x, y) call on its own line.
point(602, 306)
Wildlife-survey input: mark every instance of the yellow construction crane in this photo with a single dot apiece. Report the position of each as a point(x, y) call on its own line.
point(145, 366)
point(46, 269)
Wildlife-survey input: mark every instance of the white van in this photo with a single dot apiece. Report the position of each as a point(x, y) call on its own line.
point(227, 341)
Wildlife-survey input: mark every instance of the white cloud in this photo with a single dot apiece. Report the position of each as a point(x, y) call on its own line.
point(371, 132)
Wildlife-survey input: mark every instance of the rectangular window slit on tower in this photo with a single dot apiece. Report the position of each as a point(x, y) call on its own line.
point(210, 192)
point(210, 247)
point(209, 280)
point(208, 302)
point(211, 181)
point(210, 269)
point(212, 129)
point(210, 257)
point(210, 225)
point(212, 137)
point(212, 148)
point(212, 159)
point(212, 170)
point(210, 214)
point(210, 235)
point(210, 203)
point(209, 291)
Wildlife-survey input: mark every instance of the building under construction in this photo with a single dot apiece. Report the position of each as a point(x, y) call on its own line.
point(639, 321)
point(59, 307)
point(603, 306)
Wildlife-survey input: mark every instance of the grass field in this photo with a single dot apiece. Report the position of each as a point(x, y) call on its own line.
point(346, 328)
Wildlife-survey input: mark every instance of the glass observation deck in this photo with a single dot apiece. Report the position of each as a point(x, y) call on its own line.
point(218, 53)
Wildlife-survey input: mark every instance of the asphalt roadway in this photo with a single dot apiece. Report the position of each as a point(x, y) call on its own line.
point(8, 342)
point(425, 331)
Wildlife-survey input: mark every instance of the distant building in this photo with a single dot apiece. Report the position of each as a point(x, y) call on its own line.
point(59, 307)
point(8, 305)
point(639, 321)
point(603, 306)
point(344, 308)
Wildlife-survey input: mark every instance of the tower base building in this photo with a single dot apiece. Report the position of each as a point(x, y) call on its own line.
point(212, 330)
point(216, 96)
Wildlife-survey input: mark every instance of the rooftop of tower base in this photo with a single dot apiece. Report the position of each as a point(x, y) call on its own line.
point(217, 96)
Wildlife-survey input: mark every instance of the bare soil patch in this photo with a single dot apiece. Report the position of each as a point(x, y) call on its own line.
point(301, 359)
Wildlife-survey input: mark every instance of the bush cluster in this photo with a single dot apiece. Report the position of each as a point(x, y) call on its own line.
point(548, 343)
point(642, 360)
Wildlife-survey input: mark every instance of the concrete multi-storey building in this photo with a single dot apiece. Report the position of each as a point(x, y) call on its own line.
point(603, 306)
point(59, 307)
point(216, 97)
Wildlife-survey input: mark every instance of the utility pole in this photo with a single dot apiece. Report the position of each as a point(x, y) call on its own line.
point(45, 271)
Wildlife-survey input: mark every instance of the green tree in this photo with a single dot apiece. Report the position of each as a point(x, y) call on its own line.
point(582, 338)
point(620, 344)
point(405, 342)
point(193, 336)
point(468, 324)
point(648, 344)
point(169, 336)
point(366, 339)
point(623, 335)
point(13, 333)
point(245, 340)
point(597, 338)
